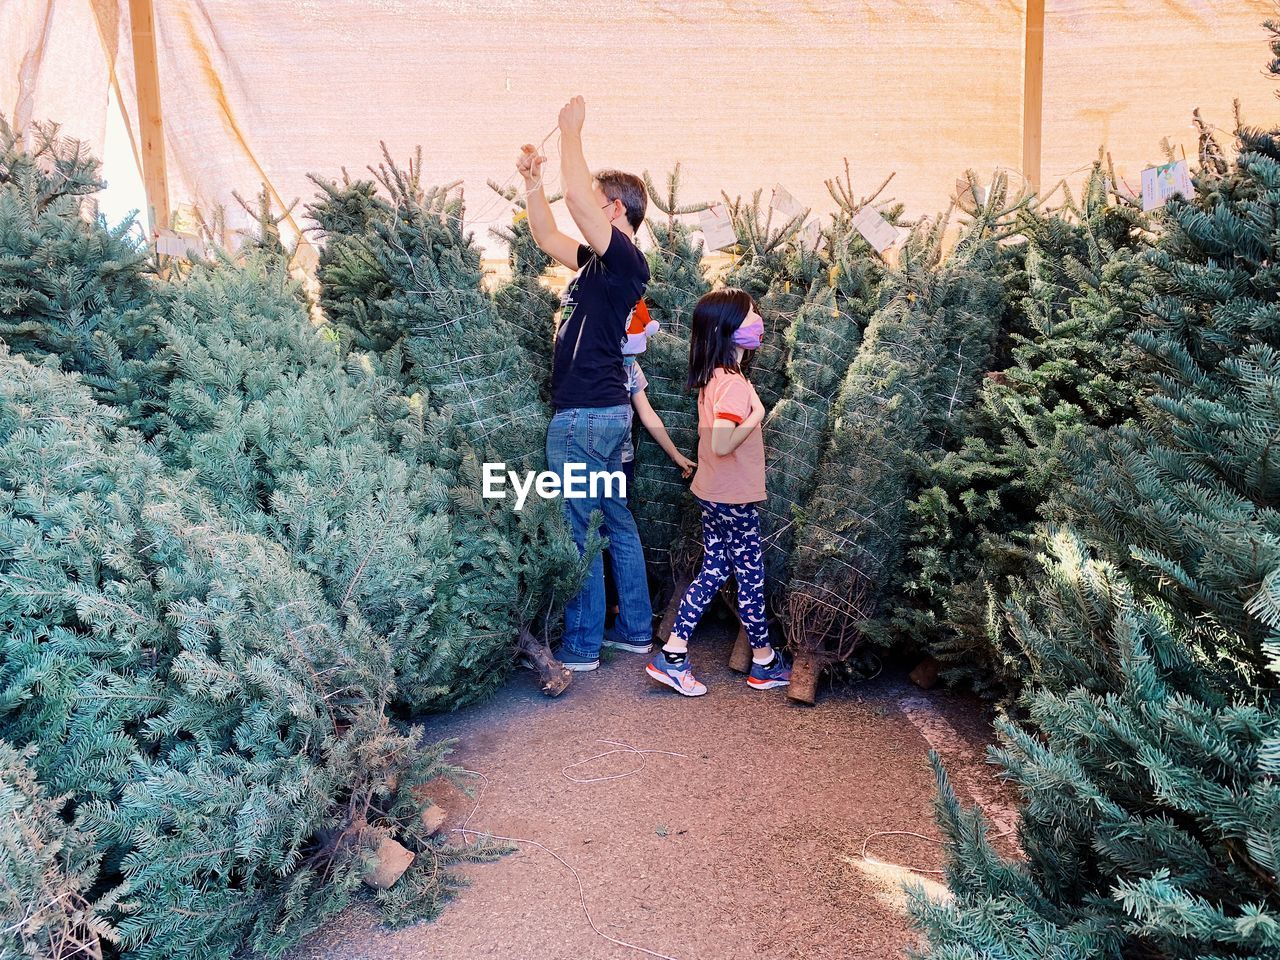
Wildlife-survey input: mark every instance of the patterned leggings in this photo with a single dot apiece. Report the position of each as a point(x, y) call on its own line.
point(731, 544)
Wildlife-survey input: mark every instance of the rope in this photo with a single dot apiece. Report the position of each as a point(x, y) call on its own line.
point(624, 748)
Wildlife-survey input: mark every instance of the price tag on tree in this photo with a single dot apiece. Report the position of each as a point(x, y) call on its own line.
point(784, 202)
point(172, 244)
point(717, 227)
point(1165, 181)
point(877, 231)
point(187, 219)
point(811, 235)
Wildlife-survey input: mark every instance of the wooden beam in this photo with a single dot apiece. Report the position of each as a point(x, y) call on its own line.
point(1033, 91)
point(146, 71)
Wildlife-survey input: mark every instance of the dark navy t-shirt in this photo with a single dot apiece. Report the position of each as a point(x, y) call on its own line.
point(586, 369)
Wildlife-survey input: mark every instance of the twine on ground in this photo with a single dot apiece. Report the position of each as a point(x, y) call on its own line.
point(621, 748)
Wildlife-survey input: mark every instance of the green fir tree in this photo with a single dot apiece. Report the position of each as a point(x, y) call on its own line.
point(663, 508)
point(218, 728)
point(914, 375)
point(409, 269)
point(72, 288)
point(524, 301)
point(1149, 759)
point(985, 497)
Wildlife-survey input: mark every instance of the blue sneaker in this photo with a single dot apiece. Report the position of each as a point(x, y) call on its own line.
point(577, 662)
point(611, 639)
point(677, 676)
point(763, 677)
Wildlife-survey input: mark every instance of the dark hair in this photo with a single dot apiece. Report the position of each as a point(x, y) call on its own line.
point(628, 188)
point(715, 318)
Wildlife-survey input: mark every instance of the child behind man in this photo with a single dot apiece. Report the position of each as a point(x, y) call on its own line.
point(639, 329)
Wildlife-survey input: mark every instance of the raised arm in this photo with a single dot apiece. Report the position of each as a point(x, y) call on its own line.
point(583, 202)
point(542, 222)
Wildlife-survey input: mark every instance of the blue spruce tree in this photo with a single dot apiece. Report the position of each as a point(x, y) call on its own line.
point(1149, 756)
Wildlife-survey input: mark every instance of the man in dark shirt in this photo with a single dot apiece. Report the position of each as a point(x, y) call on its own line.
point(588, 383)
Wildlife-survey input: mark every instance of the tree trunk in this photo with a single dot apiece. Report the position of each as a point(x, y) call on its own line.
point(553, 676)
point(386, 864)
point(805, 671)
point(740, 659)
point(673, 607)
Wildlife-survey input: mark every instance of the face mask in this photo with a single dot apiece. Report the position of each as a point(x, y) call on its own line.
point(750, 334)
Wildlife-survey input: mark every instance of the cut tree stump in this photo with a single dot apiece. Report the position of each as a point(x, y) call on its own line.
point(387, 864)
point(925, 674)
point(673, 607)
point(740, 659)
point(805, 671)
point(553, 676)
point(433, 818)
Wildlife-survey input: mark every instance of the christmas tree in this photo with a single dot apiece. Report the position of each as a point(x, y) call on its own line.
point(367, 489)
point(415, 279)
point(974, 523)
point(662, 504)
point(47, 869)
point(70, 286)
point(1150, 753)
point(218, 729)
point(820, 344)
point(370, 490)
point(778, 265)
point(524, 302)
point(916, 371)
point(407, 268)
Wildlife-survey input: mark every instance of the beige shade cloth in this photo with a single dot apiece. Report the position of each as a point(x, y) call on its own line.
point(744, 94)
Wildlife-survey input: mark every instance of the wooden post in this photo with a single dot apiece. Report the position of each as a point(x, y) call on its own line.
point(1033, 91)
point(155, 178)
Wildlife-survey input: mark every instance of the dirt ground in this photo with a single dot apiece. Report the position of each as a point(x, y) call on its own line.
point(748, 845)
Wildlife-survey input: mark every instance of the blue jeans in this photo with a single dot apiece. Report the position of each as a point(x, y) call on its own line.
point(593, 436)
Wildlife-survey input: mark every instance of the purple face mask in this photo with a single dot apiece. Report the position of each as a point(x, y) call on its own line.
point(750, 334)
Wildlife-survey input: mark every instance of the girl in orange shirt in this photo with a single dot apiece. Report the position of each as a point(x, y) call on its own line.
point(727, 329)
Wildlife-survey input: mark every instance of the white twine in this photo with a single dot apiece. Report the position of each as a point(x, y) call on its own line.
point(622, 748)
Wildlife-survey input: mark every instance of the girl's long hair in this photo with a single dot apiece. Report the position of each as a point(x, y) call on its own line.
point(715, 318)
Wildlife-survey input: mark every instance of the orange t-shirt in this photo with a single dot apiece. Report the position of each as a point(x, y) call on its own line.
point(739, 477)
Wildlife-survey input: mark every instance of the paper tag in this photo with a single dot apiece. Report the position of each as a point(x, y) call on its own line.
point(1168, 180)
point(186, 219)
point(717, 227)
point(877, 231)
point(520, 216)
point(811, 235)
point(172, 244)
point(784, 202)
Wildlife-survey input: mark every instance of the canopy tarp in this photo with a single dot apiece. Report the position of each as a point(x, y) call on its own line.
point(746, 94)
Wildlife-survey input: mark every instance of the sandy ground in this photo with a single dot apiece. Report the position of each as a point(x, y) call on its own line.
point(748, 845)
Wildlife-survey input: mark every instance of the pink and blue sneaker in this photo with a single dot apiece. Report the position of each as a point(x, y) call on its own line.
point(766, 676)
point(677, 676)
